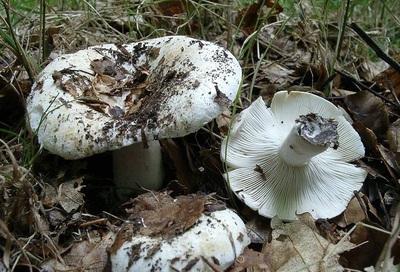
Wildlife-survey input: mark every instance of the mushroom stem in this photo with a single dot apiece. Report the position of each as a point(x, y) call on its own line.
point(137, 167)
point(310, 136)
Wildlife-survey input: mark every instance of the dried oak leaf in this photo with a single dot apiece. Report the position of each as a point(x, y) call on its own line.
point(297, 247)
point(160, 214)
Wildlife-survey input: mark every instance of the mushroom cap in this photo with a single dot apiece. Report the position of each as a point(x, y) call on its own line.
point(109, 96)
point(267, 184)
point(218, 237)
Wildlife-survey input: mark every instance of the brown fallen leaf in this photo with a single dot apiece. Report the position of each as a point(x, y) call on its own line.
point(69, 195)
point(390, 79)
point(393, 138)
point(179, 159)
point(296, 247)
point(369, 110)
point(104, 67)
point(259, 229)
point(370, 242)
point(171, 7)
point(370, 70)
point(50, 196)
point(72, 81)
point(85, 255)
point(223, 120)
point(251, 259)
point(389, 159)
point(354, 213)
point(157, 213)
point(368, 138)
point(248, 17)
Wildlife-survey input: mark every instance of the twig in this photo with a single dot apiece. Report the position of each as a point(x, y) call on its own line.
point(100, 221)
point(385, 257)
point(379, 52)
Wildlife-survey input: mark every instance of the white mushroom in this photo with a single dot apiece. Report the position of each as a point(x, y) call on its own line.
point(107, 97)
point(217, 238)
point(282, 160)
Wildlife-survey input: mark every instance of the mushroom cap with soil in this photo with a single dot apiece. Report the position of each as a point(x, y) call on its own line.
point(110, 96)
point(293, 157)
point(216, 238)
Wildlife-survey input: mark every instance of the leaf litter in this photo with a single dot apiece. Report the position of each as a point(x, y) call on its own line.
point(46, 220)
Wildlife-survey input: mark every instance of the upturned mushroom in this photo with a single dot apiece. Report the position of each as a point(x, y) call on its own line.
point(293, 157)
point(108, 97)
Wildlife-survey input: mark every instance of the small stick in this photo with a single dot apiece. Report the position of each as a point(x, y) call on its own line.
point(94, 222)
point(379, 52)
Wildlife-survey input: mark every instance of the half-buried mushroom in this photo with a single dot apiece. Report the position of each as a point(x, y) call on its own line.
point(113, 96)
point(293, 157)
point(182, 234)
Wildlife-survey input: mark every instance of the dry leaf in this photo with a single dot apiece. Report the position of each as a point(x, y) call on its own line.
point(393, 138)
point(223, 120)
point(248, 17)
point(354, 213)
point(69, 195)
point(370, 244)
point(389, 158)
point(296, 247)
point(258, 229)
point(84, 256)
point(71, 81)
point(179, 159)
point(390, 79)
point(104, 67)
point(277, 74)
point(251, 259)
point(368, 138)
point(50, 196)
point(371, 71)
point(171, 7)
point(160, 214)
point(369, 110)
